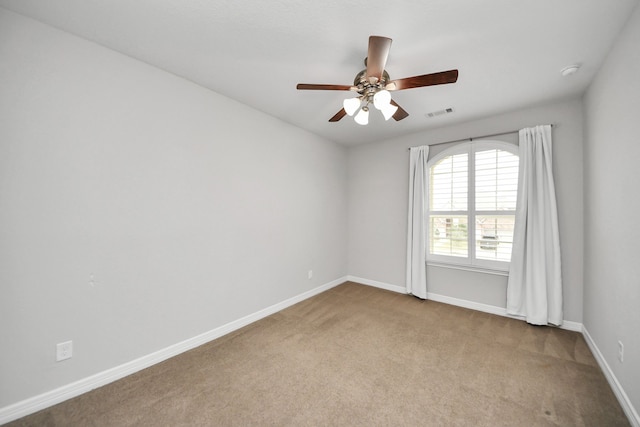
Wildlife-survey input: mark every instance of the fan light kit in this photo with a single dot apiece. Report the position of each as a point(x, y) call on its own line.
point(373, 86)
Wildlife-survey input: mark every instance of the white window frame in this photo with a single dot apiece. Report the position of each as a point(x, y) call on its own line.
point(470, 262)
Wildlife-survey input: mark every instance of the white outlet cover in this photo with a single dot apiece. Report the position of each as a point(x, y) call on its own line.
point(64, 350)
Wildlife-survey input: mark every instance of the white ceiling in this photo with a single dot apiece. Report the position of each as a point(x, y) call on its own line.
point(509, 53)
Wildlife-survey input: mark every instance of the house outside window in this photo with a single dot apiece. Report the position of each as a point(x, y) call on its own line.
point(471, 205)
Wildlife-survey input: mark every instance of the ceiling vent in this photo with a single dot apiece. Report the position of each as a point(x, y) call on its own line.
point(439, 112)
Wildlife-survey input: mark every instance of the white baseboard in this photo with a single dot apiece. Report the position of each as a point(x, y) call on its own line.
point(500, 311)
point(571, 326)
point(622, 397)
point(376, 284)
point(58, 395)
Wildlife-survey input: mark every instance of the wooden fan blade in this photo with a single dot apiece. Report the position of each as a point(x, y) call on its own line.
point(440, 78)
point(377, 56)
point(400, 113)
point(340, 114)
point(306, 86)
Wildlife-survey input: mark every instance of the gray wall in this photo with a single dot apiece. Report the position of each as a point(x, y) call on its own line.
point(189, 209)
point(378, 187)
point(612, 203)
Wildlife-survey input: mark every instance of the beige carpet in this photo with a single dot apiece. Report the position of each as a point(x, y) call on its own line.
point(361, 356)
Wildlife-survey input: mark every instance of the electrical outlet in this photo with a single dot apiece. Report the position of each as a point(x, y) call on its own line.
point(310, 274)
point(620, 351)
point(64, 350)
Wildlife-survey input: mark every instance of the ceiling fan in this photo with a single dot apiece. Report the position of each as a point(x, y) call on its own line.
point(373, 85)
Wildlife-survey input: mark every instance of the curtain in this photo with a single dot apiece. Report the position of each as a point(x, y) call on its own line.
point(534, 287)
point(416, 227)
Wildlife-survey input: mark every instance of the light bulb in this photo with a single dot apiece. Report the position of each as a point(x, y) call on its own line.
point(388, 111)
point(351, 105)
point(362, 118)
point(381, 98)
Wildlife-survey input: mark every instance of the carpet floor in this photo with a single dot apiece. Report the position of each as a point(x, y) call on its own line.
point(361, 356)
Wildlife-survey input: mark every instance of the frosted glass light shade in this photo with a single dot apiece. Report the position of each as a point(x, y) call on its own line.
point(381, 99)
point(362, 118)
point(388, 111)
point(351, 105)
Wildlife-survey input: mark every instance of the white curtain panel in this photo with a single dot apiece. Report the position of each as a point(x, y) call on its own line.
point(416, 227)
point(534, 289)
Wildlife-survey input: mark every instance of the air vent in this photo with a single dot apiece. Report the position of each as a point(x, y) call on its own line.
point(439, 112)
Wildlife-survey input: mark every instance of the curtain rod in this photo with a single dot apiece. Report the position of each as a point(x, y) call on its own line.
point(475, 137)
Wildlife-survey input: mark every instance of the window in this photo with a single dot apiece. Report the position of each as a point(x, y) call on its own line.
point(471, 204)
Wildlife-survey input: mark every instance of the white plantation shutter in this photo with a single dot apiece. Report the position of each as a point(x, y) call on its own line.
point(449, 184)
point(448, 202)
point(496, 190)
point(471, 207)
point(496, 180)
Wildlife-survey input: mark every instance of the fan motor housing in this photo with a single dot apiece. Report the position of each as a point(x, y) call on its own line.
point(364, 85)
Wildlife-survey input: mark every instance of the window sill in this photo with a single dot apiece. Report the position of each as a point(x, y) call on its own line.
point(484, 270)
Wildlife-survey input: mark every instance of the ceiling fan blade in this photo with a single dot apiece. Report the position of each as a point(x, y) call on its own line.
point(306, 86)
point(340, 114)
point(400, 113)
point(440, 78)
point(377, 56)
